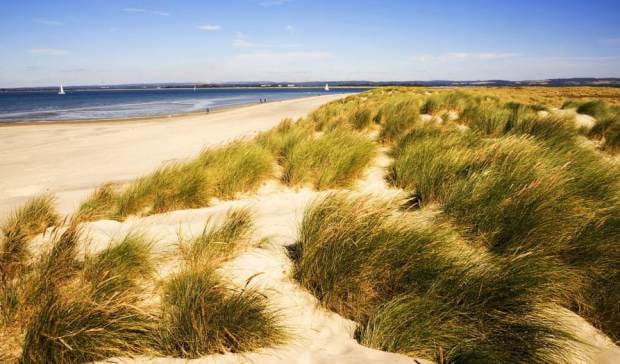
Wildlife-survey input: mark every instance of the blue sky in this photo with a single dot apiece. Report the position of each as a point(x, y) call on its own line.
point(44, 42)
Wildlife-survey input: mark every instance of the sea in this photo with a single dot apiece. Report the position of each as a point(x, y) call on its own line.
point(90, 104)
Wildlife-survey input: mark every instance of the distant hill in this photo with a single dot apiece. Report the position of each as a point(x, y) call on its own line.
point(557, 82)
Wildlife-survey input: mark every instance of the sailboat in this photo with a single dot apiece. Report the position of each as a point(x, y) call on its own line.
point(194, 87)
point(326, 87)
point(61, 91)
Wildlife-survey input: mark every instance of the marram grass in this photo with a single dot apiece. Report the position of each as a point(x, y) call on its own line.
point(423, 291)
point(331, 160)
point(240, 166)
point(33, 218)
point(67, 307)
point(219, 242)
point(200, 316)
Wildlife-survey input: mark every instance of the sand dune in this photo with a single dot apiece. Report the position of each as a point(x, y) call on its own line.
point(70, 159)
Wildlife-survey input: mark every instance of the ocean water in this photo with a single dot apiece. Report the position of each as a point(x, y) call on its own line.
point(125, 103)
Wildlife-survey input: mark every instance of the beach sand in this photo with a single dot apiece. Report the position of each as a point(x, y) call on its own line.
point(71, 159)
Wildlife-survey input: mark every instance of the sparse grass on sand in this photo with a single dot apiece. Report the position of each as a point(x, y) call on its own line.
point(513, 217)
point(218, 243)
point(397, 117)
point(331, 160)
point(219, 172)
point(200, 314)
point(607, 130)
point(424, 291)
point(19, 228)
point(515, 183)
point(89, 309)
point(66, 308)
point(522, 181)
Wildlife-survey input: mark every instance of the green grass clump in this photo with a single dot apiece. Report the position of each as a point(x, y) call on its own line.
point(82, 310)
point(607, 129)
point(571, 104)
point(68, 308)
point(596, 108)
point(423, 291)
point(200, 316)
point(428, 162)
point(99, 205)
point(173, 187)
point(431, 106)
point(281, 139)
point(222, 172)
point(19, 228)
point(331, 160)
point(77, 329)
point(361, 119)
point(595, 251)
point(237, 167)
point(338, 114)
point(530, 185)
point(487, 118)
point(398, 118)
point(516, 199)
point(220, 242)
point(121, 267)
point(552, 129)
point(57, 265)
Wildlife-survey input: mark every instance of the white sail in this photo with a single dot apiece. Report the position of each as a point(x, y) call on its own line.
point(326, 87)
point(62, 90)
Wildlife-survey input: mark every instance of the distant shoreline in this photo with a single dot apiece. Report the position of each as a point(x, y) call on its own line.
point(70, 159)
point(88, 88)
point(169, 117)
point(158, 117)
point(147, 118)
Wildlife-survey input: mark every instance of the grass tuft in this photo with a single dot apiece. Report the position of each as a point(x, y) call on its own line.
point(121, 267)
point(31, 219)
point(77, 329)
point(332, 160)
point(201, 317)
point(222, 172)
point(220, 242)
point(99, 205)
point(423, 291)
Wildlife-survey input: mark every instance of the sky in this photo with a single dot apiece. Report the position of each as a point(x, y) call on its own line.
point(87, 42)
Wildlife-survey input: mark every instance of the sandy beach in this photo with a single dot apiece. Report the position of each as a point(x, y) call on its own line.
point(70, 159)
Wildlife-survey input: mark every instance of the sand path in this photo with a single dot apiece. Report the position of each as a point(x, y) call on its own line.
point(70, 159)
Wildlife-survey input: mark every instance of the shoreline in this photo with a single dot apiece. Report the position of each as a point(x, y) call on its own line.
point(213, 110)
point(71, 158)
point(130, 119)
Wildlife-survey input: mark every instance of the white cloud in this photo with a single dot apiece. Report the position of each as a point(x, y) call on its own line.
point(209, 27)
point(460, 56)
point(241, 41)
point(423, 57)
point(610, 41)
point(48, 22)
point(270, 3)
point(146, 11)
point(48, 51)
point(465, 56)
point(276, 58)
